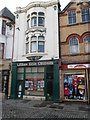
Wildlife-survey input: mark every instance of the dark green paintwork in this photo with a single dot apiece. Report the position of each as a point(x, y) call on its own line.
point(55, 81)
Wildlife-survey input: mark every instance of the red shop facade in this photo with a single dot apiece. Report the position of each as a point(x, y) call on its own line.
point(75, 82)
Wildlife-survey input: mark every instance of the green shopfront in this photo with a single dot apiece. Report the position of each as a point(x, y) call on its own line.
point(36, 78)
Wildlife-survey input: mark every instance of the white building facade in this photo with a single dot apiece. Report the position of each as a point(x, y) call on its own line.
point(36, 48)
point(7, 21)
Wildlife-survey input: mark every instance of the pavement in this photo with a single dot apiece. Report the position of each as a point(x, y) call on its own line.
point(12, 109)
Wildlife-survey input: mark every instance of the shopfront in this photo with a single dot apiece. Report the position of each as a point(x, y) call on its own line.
point(75, 82)
point(39, 78)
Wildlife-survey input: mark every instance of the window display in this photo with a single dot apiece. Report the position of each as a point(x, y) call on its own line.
point(74, 87)
point(34, 83)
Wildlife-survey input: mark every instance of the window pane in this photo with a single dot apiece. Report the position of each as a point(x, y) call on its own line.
point(72, 17)
point(85, 14)
point(40, 46)
point(28, 69)
point(34, 13)
point(20, 70)
point(20, 76)
point(3, 27)
point(41, 38)
point(87, 47)
point(34, 38)
point(33, 21)
point(40, 69)
point(34, 69)
point(41, 21)
point(87, 39)
point(1, 50)
point(41, 13)
point(33, 46)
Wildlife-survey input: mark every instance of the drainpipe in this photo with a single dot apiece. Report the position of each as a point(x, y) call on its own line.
point(59, 10)
point(10, 78)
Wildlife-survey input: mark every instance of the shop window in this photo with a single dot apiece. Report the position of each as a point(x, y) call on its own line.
point(3, 27)
point(20, 73)
point(86, 15)
point(87, 44)
point(74, 47)
point(71, 17)
point(74, 87)
point(1, 50)
point(34, 83)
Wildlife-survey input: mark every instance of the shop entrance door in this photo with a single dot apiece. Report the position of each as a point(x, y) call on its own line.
point(49, 82)
point(5, 81)
point(20, 86)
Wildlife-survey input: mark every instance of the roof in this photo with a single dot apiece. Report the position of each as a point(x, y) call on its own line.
point(7, 13)
point(69, 4)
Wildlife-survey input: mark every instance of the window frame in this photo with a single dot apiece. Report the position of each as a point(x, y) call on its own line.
point(3, 27)
point(73, 53)
point(86, 43)
point(85, 14)
point(72, 17)
point(2, 51)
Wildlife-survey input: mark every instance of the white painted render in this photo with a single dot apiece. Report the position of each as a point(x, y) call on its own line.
point(50, 31)
point(7, 39)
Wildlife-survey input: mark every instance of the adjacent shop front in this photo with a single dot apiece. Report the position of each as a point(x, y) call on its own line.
point(75, 82)
point(35, 78)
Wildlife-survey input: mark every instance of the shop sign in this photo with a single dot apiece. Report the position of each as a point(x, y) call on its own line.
point(75, 66)
point(35, 63)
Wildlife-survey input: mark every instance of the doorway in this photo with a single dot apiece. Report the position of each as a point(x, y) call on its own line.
point(49, 82)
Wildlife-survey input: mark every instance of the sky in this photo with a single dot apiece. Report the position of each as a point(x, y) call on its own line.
point(12, 4)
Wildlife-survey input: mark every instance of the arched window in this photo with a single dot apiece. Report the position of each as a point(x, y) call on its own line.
point(74, 48)
point(87, 44)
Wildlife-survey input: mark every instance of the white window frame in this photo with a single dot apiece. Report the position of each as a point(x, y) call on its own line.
point(87, 44)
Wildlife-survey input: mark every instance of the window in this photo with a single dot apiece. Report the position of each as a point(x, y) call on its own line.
point(72, 17)
point(37, 19)
point(33, 44)
point(85, 14)
point(74, 45)
point(34, 21)
point(1, 50)
point(3, 27)
point(40, 19)
point(87, 44)
point(41, 44)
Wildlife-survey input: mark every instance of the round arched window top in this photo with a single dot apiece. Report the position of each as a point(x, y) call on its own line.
point(34, 13)
point(73, 41)
point(87, 39)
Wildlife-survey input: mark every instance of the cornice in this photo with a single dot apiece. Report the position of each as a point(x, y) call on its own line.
point(36, 4)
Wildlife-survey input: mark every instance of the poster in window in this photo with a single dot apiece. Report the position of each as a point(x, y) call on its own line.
point(42, 85)
point(30, 85)
point(38, 87)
